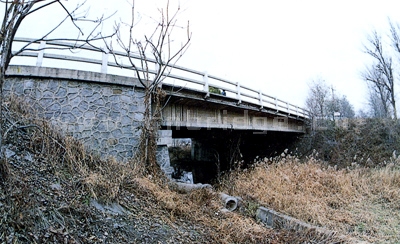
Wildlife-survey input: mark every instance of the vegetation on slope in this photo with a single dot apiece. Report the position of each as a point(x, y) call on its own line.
point(359, 202)
point(57, 192)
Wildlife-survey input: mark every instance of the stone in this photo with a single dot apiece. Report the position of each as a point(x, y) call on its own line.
point(83, 106)
point(99, 114)
point(113, 208)
point(53, 86)
point(45, 102)
point(9, 153)
point(126, 99)
point(55, 187)
point(86, 92)
point(67, 117)
point(76, 112)
point(62, 92)
point(75, 102)
point(73, 90)
point(29, 84)
point(117, 133)
point(54, 107)
point(89, 115)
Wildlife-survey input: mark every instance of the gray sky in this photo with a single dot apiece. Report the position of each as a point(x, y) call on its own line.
point(281, 46)
point(275, 46)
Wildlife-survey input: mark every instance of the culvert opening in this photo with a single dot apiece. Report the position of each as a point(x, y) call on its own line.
point(231, 205)
point(230, 202)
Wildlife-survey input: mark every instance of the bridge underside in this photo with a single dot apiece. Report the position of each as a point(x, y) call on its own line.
point(194, 112)
point(224, 133)
point(217, 150)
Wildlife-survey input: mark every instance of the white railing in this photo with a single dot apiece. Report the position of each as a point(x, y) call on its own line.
point(67, 55)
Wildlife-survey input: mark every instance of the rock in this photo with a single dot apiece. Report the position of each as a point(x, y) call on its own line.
point(114, 208)
point(55, 187)
point(9, 153)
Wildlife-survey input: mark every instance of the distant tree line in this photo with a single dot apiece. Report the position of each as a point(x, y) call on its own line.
point(381, 74)
point(324, 102)
point(373, 140)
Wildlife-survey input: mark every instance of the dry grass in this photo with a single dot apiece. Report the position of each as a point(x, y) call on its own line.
point(363, 203)
point(359, 202)
point(83, 176)
point(203, 206)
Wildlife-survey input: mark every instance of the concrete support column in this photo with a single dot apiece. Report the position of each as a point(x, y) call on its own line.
point(163, 160)
point(163, 142)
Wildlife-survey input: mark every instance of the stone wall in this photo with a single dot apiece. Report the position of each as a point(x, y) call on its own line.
point(163, 160)
point(104, 112)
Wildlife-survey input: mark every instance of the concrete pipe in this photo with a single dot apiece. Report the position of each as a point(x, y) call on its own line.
point(230, 202)
point(187, 187)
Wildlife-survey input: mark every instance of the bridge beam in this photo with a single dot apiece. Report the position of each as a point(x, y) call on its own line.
point(194, 113)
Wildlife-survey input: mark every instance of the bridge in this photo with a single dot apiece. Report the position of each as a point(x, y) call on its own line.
point(101, 103)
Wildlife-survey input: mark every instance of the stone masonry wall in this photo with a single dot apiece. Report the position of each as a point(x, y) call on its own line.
point(104, 116)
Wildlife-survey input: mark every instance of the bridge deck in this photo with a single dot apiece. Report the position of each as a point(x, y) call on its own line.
point(191, 110)
point(190, 104)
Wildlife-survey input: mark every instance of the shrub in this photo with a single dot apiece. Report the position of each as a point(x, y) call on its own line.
point(368, 142)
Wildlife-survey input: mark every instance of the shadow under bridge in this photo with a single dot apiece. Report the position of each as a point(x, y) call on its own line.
point(224, 133)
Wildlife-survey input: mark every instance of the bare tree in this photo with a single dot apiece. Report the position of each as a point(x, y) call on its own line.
point(378, 99)
point(395, 36)
point(380, 74)
point(345, 108)
point(323, 103)
point(317, 97)
point(15, 12)
point(153, 50)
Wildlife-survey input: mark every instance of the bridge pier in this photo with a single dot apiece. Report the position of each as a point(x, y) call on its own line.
point(162, 155)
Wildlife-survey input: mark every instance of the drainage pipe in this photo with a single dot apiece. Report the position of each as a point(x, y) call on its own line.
point(229, 202)
point(187, 187)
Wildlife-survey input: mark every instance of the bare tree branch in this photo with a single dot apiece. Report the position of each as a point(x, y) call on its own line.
point(380, 74)
point(158, 46)
point(14, 14)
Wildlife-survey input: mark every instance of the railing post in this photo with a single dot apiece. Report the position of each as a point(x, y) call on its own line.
point(104, 61)
point(206, 87)
point(238, 97)
point(40, 54)
point(260, 99)
point(276, 104)
point(287, 108)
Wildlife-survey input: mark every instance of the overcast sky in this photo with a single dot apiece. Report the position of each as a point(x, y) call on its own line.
point(282, 45)
point(278, 46)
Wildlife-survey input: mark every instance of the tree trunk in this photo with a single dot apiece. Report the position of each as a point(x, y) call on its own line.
point(3, 162)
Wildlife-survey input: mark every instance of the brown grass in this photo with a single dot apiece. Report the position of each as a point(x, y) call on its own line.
point(360, 202)
point(84, 176)
point(363, 203)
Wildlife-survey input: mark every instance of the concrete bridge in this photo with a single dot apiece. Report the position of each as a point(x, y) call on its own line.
point(101, 104)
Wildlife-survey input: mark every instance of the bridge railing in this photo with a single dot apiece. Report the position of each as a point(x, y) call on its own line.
point(73, 55)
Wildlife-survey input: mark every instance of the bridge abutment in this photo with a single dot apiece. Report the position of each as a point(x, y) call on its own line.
point(103, 111)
